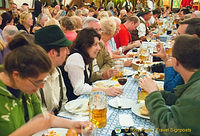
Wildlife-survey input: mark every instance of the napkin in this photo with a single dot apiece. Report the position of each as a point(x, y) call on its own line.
point(126, 120)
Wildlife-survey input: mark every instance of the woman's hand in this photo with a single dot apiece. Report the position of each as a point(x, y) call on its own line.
point(113, 91)
point(78, 124)
point(148, 84)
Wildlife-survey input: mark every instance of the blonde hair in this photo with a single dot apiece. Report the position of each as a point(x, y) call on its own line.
point(52, 21)
point(23, 16)
point(45, 10)
point(108, 26)
point(77, 22)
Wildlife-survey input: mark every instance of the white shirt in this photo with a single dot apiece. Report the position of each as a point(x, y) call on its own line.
point(150, 4)
point(129, 4)
point(75, 67)
point(141, 28)
point(52, 91)
point(151, 21)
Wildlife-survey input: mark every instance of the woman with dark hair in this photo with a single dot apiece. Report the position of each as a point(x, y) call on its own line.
point(84, 50)
point(7, 19)
point(24, 72)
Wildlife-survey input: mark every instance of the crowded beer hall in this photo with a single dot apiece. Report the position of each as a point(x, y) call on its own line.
point(99, 67)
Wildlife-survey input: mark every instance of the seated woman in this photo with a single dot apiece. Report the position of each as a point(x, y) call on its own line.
point(85, 49)
point(26, 22)
point(68, 28)
point(24, 72)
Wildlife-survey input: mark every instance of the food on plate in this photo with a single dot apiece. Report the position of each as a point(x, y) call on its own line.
point(51, 133)
point(142, 95)
point(106, 84)
point(137, 76)
point(78, 106)
point(71, 132)
point(139, 62)
point(144, 111)
point(160, 76)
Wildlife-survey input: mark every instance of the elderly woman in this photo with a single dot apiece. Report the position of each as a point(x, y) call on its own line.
point(26, 22)
point(24, 72)
point(68, 28)
point(108, 28)
point(42, 18)
point(84, 51)
point(77, 22)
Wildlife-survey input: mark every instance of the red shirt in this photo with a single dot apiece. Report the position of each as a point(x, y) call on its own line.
point(123, 37)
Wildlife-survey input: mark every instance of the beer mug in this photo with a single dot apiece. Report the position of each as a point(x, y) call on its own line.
point(98, 109)
point(119, 65)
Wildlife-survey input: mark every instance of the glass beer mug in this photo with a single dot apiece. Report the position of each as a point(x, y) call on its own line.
point(98, 109)
point(119, 65)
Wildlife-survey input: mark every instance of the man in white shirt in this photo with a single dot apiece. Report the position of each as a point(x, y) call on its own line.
point(142, 30)
point(110, 4)
point(128, 5)
point(53, 40)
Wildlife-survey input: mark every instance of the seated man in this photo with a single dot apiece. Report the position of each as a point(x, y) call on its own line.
point(173, 78)
point(182, 116)
point(53, 40)
point(123, 38)
point(142, 30)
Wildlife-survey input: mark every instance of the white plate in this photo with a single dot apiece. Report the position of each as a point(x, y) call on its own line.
point(78, 106)
point(59, 131)
point(160, 85)
point(136, 109)
point(106, 84)
point(128, 72)
point(125, 103)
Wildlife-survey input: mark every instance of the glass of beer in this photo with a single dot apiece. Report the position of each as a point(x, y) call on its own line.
point(119, 65)
point(98, 109)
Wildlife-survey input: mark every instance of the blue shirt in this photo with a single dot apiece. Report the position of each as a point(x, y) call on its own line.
point(172, 79)
point(112, 44)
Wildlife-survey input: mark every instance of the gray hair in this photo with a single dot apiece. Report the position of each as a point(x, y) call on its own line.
point(88, 20)
point(85, 12)
point(117, 20)
point(9, 31)
point(78, 12)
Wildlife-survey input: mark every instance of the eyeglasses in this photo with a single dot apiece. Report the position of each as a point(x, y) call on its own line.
point(38, 83)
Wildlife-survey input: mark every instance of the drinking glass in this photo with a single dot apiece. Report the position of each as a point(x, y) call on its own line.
point(119, 65)
point(98, 108)
point(89, 130)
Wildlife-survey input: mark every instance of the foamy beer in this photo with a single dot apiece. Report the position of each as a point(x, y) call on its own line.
point(98, 109)
point(168, 50)
point(119, 64)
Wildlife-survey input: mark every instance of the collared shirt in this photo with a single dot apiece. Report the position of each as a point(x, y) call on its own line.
point(123, 37)
point(141, 28)
point(75, 67)
point(112, 44)
point(183, 114)
point(12, 109)
point(128, 3)
point(51, 91)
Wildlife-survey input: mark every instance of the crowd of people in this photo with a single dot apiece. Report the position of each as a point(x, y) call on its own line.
point(54, 56)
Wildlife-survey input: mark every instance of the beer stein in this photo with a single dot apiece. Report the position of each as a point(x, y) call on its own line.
point(98, 108)
point(119, 65)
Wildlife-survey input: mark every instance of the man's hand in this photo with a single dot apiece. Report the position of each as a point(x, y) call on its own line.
point(160, 52)
point(148, 84)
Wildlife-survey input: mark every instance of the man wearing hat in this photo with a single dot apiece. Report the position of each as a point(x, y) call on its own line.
point(53, 40)
point(142, 30)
